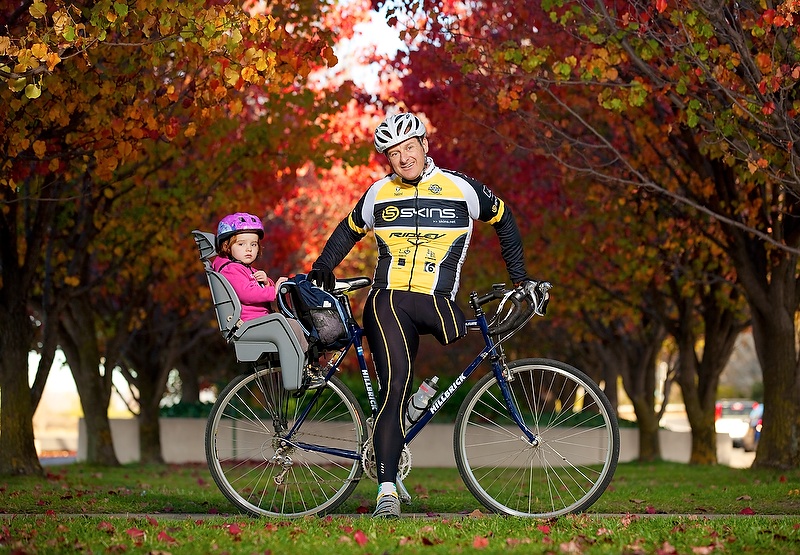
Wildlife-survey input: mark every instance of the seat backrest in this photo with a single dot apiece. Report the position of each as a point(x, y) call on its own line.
point(226, 303)
point(227, 306)
point(205, 244)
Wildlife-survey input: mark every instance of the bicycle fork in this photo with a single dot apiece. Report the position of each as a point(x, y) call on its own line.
point(504, 377)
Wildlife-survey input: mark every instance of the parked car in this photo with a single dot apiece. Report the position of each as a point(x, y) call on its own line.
point(753, 433)
point(732, 417)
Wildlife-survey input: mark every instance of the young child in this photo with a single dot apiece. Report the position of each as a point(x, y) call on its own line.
point(238, 246)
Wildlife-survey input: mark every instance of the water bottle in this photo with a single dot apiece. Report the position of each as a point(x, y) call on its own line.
point(420, 401)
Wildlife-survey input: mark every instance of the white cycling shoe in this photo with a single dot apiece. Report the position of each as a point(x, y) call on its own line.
point(388, 506)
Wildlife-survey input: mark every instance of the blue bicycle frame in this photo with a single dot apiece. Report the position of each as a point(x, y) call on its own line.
point(491, 351)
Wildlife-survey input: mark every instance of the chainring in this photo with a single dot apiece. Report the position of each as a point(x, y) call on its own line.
point(370, 468)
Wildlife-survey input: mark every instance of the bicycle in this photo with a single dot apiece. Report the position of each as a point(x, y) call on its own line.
point(533, 437)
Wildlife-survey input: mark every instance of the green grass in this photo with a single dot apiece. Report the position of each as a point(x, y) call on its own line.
point(666, 507)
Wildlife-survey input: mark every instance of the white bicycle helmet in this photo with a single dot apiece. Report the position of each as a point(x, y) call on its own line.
point(397, 128)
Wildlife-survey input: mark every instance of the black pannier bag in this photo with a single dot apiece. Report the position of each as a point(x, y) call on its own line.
point(319, 313)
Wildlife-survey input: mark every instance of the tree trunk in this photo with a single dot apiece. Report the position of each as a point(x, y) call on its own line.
point(649, 441)
point(698, 375)
point(151, 384)
point(17, 449)
point(635, 356)
point(18, 269)
point(779, 444)
point(150, 437)
point(79, 343)
point(770, 279)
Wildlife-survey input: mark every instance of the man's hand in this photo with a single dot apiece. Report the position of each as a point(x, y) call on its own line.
point(322, 276)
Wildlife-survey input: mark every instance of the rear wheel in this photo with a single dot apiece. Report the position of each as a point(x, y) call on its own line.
point(575, 449)
point(262, 472)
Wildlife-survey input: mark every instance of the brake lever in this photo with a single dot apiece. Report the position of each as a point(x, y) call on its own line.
point(538, 293)
point(541, 297)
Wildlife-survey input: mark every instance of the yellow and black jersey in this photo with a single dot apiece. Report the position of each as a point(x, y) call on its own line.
point(423, 230)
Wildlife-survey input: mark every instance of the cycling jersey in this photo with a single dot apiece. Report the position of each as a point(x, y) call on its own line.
point(423, 230)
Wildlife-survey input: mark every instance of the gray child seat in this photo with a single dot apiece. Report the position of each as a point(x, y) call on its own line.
point(254, 338)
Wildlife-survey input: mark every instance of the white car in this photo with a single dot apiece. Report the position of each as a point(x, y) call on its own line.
point(732, 417)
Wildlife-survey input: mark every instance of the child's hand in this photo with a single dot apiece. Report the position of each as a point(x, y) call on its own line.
point(280, 280)
point(260, 276)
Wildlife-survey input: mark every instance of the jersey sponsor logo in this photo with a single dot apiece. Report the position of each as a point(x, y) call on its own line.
point(416, 238)
point(391, 213)
point(435, 189)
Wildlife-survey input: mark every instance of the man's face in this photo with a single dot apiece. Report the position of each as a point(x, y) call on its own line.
point(408, 158)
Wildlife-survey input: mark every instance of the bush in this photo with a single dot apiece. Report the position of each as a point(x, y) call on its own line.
point(186, 410)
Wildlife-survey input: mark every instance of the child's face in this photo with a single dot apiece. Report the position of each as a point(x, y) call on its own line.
point(244, 247)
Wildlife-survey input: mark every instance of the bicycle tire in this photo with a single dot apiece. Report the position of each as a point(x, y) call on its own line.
point(578, 435)
point(244, 433)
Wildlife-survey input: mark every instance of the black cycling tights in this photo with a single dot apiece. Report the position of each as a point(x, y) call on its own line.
point(393, 322)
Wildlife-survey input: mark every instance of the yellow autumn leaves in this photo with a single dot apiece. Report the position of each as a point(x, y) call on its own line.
point(33, 52)
point(31, 55)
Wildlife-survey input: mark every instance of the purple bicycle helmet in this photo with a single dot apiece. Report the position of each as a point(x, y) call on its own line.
point(240, 222)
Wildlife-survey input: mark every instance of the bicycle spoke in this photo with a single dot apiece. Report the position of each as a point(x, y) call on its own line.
point(571, 459)
point(263, 472)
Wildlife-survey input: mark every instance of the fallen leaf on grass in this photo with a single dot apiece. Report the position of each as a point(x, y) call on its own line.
point(627, 519)
point(666, 549)
point(106, 526)
point(747, 511)
point(479, 542)
point(571, 546)
point(361, 538)
point(704, 549)
point(135, 533)
point(164, 537)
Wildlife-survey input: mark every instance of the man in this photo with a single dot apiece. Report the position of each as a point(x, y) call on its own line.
point(422, 218)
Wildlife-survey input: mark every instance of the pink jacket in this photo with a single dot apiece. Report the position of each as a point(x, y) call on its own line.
point(253, 295)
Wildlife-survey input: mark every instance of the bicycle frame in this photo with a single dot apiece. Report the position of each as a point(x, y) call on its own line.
point(491, 350)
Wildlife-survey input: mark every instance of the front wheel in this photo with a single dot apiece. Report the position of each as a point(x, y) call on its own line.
point(573, 455)
point(262, 470)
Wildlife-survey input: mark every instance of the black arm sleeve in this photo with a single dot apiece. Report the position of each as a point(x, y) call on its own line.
point(511, 246)
point(339, 244)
